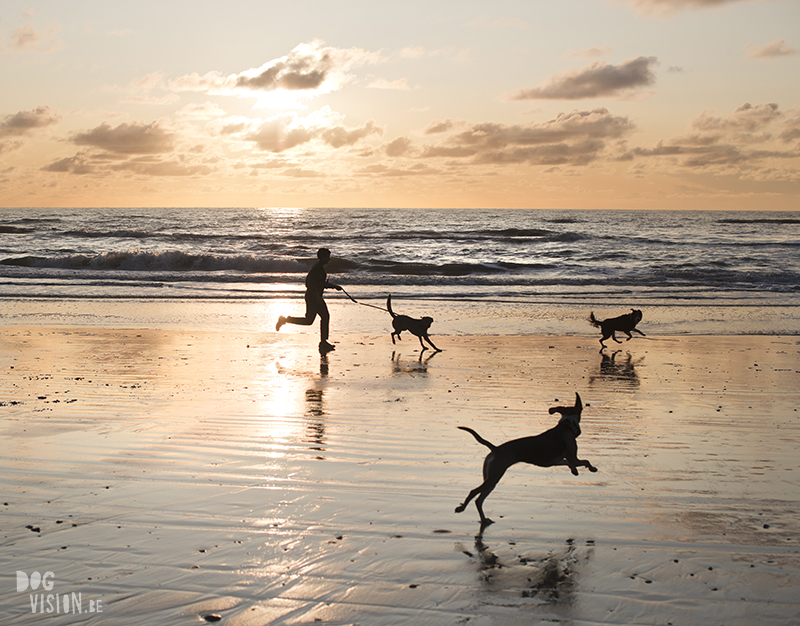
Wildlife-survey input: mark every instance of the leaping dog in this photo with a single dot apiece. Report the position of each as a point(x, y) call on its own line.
point(557, 446)
point(418, 327)
point(624, 324)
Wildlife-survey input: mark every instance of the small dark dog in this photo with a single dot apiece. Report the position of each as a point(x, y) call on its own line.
point(418, 327)
point(557, 446)
point(624, 324)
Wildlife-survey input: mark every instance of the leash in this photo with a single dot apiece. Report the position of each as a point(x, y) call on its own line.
point(363, 303)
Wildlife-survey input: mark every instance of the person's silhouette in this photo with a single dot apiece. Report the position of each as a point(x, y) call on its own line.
point(316, 283)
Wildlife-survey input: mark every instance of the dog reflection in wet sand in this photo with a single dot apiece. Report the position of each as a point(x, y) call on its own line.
point(557, 446)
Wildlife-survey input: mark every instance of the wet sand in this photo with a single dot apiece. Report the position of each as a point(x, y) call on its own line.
point(173, 476)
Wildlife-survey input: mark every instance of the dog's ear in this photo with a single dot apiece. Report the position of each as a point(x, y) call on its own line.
point(578, 403)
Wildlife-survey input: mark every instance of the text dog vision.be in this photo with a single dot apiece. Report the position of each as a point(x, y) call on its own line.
point(52, 602)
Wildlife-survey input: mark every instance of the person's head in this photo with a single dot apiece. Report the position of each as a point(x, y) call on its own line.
point(324, 255)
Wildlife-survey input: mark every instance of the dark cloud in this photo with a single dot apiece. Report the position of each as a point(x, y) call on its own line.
point(439, 127)
point(25, 122)
point(573, 138)
point(597, 80)
point(339, 136)
point(302, 68)
point(77, 164)
point(14, 129)
point(399, 147)
point(127, 138)
point(309, 69)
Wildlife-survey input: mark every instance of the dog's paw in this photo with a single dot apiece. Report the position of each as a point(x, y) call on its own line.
point(460, 508)
point(574, 471)
point(592, 468)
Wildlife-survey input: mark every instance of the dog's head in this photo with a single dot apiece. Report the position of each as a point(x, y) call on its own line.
point(636, 315)
point(426, 322)
point(570, 414)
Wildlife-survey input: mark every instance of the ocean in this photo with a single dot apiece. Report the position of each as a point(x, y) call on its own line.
point(737, 270)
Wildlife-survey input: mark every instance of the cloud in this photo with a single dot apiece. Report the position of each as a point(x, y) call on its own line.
point(596, 51)
point(339, 136)
point(400, 84)
point(739, 141)
point(15, 129)
point(668, 8)
point(439, 127)
point(399, 147)
point(285, 132)
point(597, 80)
point(25, 122)
point(134, 138)
point(773, 49)
point(573, 138)
point(28, 38)
point(77, 164)
point(156, 167)
point(308, 70)
point(747, 124)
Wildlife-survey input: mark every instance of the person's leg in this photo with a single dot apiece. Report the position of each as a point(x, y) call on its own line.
point(310, 316)
point(324, 322)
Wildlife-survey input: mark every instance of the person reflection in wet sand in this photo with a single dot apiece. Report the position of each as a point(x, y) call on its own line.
point(315, 397)
point(316, 283)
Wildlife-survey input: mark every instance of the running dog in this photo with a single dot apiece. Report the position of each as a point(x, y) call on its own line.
point(556, 446)
point(624, 324)
point(418, 327)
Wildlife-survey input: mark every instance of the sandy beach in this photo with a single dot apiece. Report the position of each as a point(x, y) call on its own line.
point(173, 476)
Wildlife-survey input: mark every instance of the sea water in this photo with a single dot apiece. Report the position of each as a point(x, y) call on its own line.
point(537, 263)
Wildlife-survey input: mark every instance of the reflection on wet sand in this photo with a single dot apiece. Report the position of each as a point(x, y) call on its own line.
point(550, 578)
point(409, 366)
point(315, 410)
point(623, 371)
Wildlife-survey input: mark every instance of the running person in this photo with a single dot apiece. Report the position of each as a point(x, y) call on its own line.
point(316, 283)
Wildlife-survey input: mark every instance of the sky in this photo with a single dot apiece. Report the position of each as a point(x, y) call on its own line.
point(580, 104)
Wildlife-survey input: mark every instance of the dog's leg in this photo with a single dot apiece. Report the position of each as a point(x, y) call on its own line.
point(575, 463)
point(428, 339)
point(424, 347)
point(636, 330)
point(493, 470)
point(460, 508)
point(614, 336)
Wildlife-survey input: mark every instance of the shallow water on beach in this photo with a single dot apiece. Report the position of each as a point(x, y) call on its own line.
point(638, 258)
point(178, 474)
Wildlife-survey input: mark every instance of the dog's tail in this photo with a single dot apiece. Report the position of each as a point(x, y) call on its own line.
point(389, 306)
point(593, 320)
point(480, 439)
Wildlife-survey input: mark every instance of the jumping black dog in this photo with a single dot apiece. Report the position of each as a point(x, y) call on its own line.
point(557, 446)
